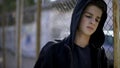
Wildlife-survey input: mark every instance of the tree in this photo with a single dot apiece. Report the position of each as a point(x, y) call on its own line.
point(10, 5)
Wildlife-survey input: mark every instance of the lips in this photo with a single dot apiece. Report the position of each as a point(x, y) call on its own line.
point(89, 27)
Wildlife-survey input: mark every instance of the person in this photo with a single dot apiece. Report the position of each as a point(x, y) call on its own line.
point(83, 47)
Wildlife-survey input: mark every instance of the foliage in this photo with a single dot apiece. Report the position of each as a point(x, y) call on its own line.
point(10, 5)
point(28, 3)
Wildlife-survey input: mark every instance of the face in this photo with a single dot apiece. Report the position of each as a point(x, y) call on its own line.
point(90, 20)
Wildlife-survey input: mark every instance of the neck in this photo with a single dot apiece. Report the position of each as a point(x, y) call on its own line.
point(81, 40)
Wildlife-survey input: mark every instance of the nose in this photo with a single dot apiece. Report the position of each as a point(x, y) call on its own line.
point(92, 21)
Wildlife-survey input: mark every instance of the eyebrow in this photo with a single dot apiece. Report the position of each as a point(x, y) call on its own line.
point(92, 14)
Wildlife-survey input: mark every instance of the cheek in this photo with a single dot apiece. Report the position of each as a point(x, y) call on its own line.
point(83, 22)
point(96, 26)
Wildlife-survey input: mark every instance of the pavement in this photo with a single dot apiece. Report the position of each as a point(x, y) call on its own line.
point(27, 62)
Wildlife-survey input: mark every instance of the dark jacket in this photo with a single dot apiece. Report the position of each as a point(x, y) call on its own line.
point(60, 54)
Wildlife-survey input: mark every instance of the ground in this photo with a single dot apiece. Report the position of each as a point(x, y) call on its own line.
point(11, 61)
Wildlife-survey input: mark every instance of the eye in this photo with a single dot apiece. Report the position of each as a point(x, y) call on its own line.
point(97, 20)
point(88, 16)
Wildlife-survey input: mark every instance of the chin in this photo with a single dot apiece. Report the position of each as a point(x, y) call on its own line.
point(89, 33)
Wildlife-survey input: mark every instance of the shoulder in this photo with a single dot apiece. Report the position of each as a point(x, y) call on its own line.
point(48, 47)
point(55, 48)
point(52, 51)
point(51, 46)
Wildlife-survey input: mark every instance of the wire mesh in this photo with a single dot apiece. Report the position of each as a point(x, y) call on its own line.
point(56, 19)
point(108, 29)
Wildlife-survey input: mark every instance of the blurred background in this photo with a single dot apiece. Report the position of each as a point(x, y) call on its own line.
point(54, 24)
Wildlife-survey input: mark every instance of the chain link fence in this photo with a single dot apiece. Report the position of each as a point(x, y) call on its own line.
point(60, 12)
point(56, 19)
point(108, 27)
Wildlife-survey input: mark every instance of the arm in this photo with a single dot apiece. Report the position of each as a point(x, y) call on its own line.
point(45, 59)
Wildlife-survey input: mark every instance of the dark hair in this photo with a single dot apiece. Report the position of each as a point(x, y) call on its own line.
point(98, 37)
point(99, 3)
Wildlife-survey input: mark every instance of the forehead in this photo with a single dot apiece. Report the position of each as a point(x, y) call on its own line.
point(93, 10)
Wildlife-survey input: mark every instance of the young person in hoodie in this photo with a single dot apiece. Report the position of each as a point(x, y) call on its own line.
point(83, 47)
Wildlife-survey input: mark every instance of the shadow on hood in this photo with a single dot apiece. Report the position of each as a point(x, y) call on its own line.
point(97, 38)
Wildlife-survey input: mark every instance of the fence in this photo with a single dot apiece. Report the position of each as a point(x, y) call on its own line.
point(55, 21)
point(116, 19)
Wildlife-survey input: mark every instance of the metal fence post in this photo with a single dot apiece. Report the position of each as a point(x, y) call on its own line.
point(116, 24)
point(38, 24)
point(3, 36)
point(19, 20)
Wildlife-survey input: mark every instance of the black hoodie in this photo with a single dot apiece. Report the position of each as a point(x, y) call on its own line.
point(60, 55)
point(97, 39)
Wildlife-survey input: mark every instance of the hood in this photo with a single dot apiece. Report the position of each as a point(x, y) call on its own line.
point(97, 39)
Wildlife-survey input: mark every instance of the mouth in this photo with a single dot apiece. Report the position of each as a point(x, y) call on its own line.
point(91, 28)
